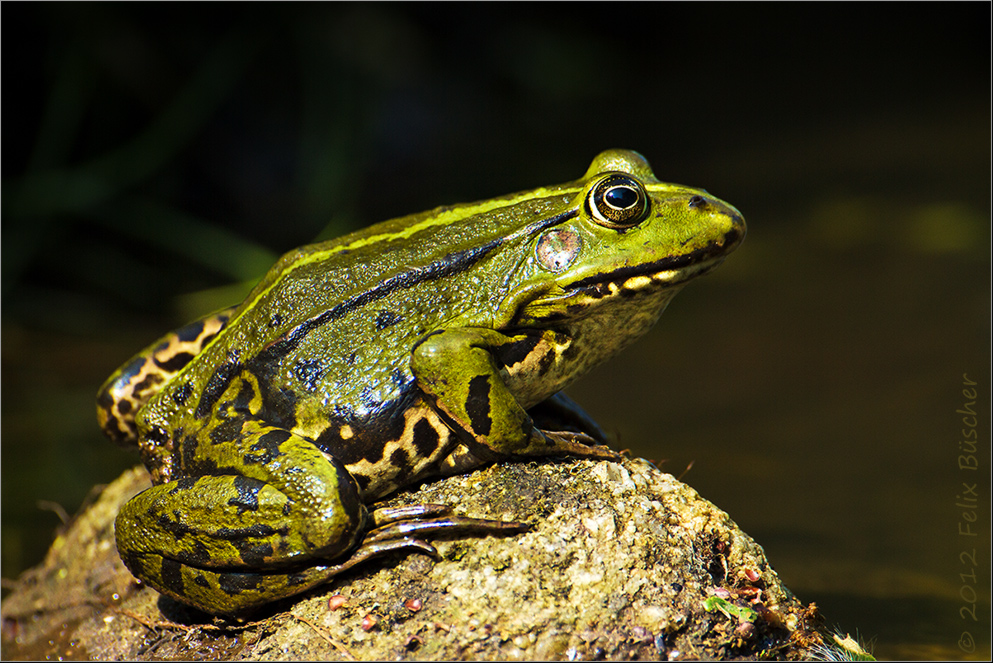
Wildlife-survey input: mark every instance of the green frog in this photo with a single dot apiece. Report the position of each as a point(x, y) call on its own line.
point(420, 347)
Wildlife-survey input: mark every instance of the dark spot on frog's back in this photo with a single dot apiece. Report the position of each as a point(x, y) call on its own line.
point(308, 372)
point(697, 202)
point(200, 554)
point(243, 400)
point(548, 359)
point(352, 439)
point(151, 380)
point(188, 453)
point(279, 407)
point(182, 394)
point(387, 318)
point(217, 385)
point(239, 534)
point(361, 444)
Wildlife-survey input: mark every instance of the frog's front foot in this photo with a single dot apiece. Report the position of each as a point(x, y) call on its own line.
point(568, 443)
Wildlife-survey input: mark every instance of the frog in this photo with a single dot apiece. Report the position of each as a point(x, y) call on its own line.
point(421, 347)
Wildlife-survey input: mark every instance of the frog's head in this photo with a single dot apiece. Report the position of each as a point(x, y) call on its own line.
point(626, 237)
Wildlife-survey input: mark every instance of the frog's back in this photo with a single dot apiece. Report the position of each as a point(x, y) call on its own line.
point(393, 256)
point(327, 334)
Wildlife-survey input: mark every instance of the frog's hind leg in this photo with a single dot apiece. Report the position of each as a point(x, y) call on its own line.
point(232, 592)
point(395, 523)
point(226, 592)
point(134, 383)
point(264, 505)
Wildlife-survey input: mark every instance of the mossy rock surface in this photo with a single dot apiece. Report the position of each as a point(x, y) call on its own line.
point(622, 562)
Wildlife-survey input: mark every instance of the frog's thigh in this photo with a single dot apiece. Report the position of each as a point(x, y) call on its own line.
point(288, 501)
point(289, 504)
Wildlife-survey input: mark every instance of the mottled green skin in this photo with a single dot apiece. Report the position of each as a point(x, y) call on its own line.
point(421, 346)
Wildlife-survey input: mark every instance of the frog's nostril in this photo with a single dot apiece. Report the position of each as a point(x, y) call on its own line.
point(697, 202)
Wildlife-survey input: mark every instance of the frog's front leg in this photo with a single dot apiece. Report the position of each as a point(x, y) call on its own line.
point(462, 372)
point(261, 517)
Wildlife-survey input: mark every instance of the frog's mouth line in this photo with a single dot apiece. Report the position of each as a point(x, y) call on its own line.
point(665, 273)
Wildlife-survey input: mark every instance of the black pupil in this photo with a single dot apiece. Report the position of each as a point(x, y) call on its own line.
point(621, 197)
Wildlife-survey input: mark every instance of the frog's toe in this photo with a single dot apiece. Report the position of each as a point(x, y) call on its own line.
point(401, 528)
point(370, 549)
point(450, 525)
point(561, 413)
point(386, 515)
point(568, 443)
point(404, 525)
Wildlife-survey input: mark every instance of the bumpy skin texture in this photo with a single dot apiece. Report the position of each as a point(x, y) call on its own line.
point(422, 346)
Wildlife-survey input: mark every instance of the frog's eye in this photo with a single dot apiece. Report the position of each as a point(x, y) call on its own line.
point(618, 201)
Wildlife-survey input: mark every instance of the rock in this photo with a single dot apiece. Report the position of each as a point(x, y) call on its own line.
point(623, 561)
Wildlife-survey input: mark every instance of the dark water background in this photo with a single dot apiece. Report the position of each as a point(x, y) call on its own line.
point(158, 158)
